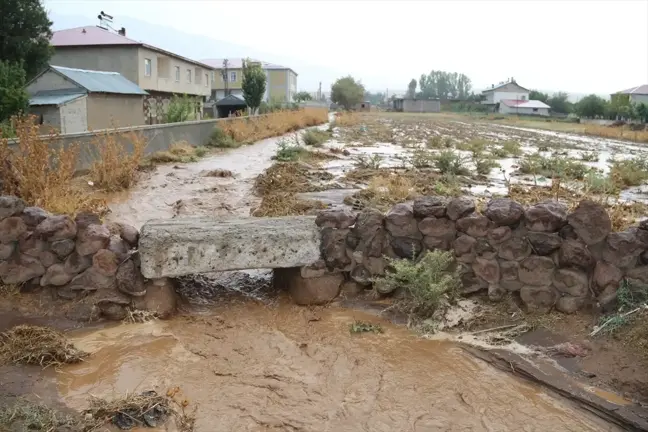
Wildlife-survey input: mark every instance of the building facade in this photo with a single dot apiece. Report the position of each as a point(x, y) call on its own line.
point(417, 105)
point(636, 95)
point(523, 107)
point(509, 90)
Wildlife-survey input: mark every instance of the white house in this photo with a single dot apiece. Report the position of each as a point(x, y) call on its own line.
point(637, 94)
point(523, 107)
point(509, 90)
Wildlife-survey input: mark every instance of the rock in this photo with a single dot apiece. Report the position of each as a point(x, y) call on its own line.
point(317, 269)
point(487, 269)
point(460, 207)
point(83, 312)
point(426, 206)
point(400, 222)
point(10, 206)
point(544, 243)
point(442, 228)
point(312, 291)
point(567, 232)
point(32, 216)
point(548, 216)
point(351, 289)
point(569, 304)
point(56, 275)
point(62, 248)
point(639, 274)
point(496, 292)
point(574, 253)
point(536, 270)
point(499, 235)
point(470, 283)
point(11, 229)
point(92, 280)
point(367, 222)
point(92, 238)
point(105, 262)
point(20, 268)
point(607, 299)
point(464, 244)
point(119, 247)
point(112, 311)
point(31, 286)
point(75, 263)
point(571, 282)
point(84, 219)
point(590, 221)
point(474, 225)
point(48, 258)
point(511, 285)
point(6, 250)
point(515, 249)
point(376, 266)
point(434, 243)
point(361, 275)
point(54, 228)
point(605, 274)
point(334, 248)
point(66, 293)
point(160, 299)
point(31, 245)
point(538, 298)
point(335, 218)
point(509, 270)
point(405, 247)
point(128, 233)
point(504, 211)
point(375, 244)
point(622, 249)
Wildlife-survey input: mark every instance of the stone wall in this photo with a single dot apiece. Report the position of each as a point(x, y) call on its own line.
point(550, 257)
point(77, 259)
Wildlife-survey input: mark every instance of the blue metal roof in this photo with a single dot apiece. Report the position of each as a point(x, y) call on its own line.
point(99, 81)
point(53, 99)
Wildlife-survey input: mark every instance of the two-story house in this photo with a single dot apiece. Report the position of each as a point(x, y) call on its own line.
point(509, 90)
point(635, 95)
point(161, 73)
point(281, 81)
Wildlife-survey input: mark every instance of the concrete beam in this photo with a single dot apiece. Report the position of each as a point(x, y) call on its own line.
point(178, 247)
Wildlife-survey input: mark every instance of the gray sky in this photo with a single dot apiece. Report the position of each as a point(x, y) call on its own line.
point(576, 46)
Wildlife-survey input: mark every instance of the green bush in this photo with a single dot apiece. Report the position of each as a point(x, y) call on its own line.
point(422, 158)
point(555, 166)
point(315, 137)
point(449, 162)
point(220, 138)
point(288, 152)
point(630, 172)
point(180, 109)
point(596, 183)
point(513, 148)
point(483, 164)
point(592, 156)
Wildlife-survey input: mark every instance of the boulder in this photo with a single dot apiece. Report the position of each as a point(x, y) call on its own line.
point(426, 206)
point(574, 253)
point(31, 245)
point(360, 274)
point(496, 292)
point(470, 283)
point(48, 258)
point(159, 298)
point(460, 207)
point(313, 291)
point(607, 299)
point(335, 218)
point(92, 280)
point(62, 248)
point(504, 211)
point(20, 268)
point(129, 280)
point(105, 262)
point(119, 247)
point(544, 243)
point(499, 235)
point(56, 275)
point(567, 232)
point(32, 216)
point(400, 222)
point(367, 222)
point(464, 244)
point(58, 227)
point(569, 304)
point(487, 269)
point(376, 266)
point(509, 270)
point(317, 269)
point(334, 250)
point(536, 270)
point(83, 312)
point(571, 282)
point(351, 289)
point(128, 233)
point(440, 228)
point(474, 225)
point(511, 285)
point(639, 274)
point(514, 249)
point(91, 239)
point(75, 263)
point(373, 245)
point(10, 206)
point(622, 249)
point(6, 250)
point(538, 298)
point(605, 274)
point(590, 221)
point(405, 247)
point(548, 216)
point(11, 229)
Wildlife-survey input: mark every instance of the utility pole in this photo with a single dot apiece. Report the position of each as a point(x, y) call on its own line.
point(224, 74)
point(319, 92)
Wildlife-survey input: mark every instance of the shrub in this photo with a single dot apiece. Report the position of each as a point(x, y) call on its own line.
point(630, 172)
point(596, 183)
point(117, 167)
point(483, 164)
point(422, 158)
point(589, 156)
point(181, 108)
point(474, 145)
point(219, 138)
point(449, 162)
point(425, 282)
point(555, 166)
point(364, 161)
point(287, 151)
point(435, 142)
point(512, 148)
point(315, 137)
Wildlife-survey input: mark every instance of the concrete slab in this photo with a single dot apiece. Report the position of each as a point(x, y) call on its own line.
point(184, 246)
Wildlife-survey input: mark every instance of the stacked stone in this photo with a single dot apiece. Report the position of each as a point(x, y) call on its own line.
point(550, 257)
point(76, 259)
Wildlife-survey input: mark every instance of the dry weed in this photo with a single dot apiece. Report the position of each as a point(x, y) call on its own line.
point(118, 158)
point(252, 129)
point(282, 177)
point(285, 204)
point(7, 291)
point(616, 132)
point(26, 344)
point(347, 119)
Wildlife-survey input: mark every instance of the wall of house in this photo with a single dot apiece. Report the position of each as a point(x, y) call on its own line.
point(122, 59)
point(510, 95)
point(639, 99)
point(278, 85)
point(418, 105)
point(51, 116)
point(51, 81)
point(504, 109)
point(163, 74)
point(74, 116)
point(219, 84)
point(111, 110)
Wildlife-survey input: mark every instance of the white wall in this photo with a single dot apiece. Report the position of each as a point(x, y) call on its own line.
point(504, 109)
point(74, 116)
point(635, 98)
point(500, 95)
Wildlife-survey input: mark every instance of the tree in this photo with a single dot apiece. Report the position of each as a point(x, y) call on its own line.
point(538, 95)
point(559, 103)
point(25, 35)
point(411, 89)
point(347, 92)
point(13, 97)
point(375, 98)
point(253, 84)
point(641, 111)
point(591, 106)
point(445, 85)
point(302, 96)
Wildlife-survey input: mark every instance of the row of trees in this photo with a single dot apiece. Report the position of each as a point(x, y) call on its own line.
point(559, 102)
point(619, 106)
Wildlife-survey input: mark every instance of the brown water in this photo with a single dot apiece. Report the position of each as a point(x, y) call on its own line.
point(250, 367)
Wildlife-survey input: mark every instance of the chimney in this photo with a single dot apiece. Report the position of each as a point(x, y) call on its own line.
point(122, 31)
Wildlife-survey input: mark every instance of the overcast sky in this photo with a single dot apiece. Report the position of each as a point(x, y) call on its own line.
point(577, 46)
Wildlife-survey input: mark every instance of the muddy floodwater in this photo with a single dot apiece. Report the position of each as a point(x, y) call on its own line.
point(253, 367)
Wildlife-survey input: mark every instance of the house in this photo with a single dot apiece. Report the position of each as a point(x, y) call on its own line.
point(229, 105)
point(78, 100)
point(507, 90)
point(281, 81)
point(417, 105)
point(363, 106)
point(523, 107)
point(161, 73)
point(636, 95)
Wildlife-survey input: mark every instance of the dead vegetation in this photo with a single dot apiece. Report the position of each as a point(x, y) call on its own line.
point(23, 415)
point(118, 159)
point(289, 177)
point(179, 152)
point(34, 345)
point(285, 204)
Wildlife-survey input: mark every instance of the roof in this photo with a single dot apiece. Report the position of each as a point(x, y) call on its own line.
point(639, 90)
point(231, 100)
point(502, 85)
point(44, 98)
point(97, 36)
point(524, 103)
point(237, 63)
point(99, 81)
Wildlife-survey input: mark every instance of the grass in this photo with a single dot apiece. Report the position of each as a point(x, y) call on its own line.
point(383, 191)
point(591, 156)
point(179, 152)
point(483, 164)
point(117, 167)
point(512, 148)
point(24, 415)
point(347, 118)
point(555, 166)
point(599, 184)
point(26, 344)
point(449, 162)
point(289, 152)
point(630, 172)
point(219, 138)
point(315, 137)
point(422, 158)
point(364, 327)
point(285, 204)
point(629, 298)
point(426, 282)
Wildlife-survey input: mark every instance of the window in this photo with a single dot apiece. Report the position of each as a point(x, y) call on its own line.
point(523, 97)
point(189, 75)
point(177, 73)
point(232, 76)
point(147, 67)
point(213, 74)
point(206, 80)
point(535, 109)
